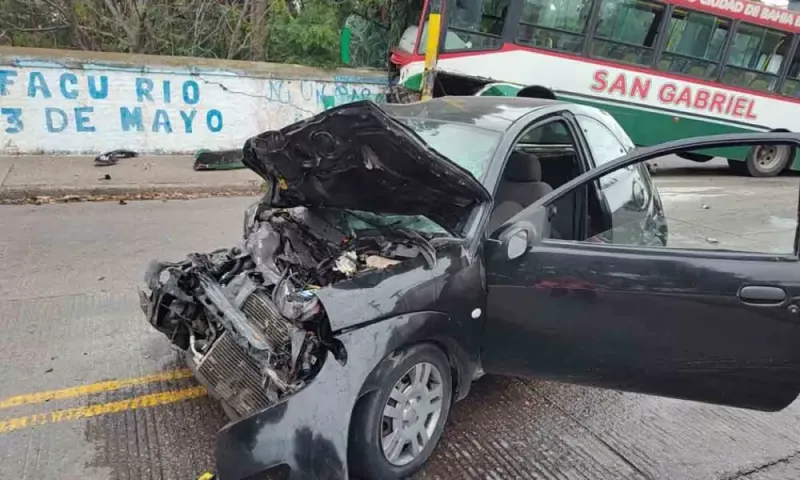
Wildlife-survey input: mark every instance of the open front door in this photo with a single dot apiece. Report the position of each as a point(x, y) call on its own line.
point(620, 310)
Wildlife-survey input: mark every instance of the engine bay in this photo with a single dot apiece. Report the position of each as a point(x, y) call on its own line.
point(248, 317)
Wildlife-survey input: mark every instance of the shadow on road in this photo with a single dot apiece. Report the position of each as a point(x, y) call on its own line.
point(699, 171)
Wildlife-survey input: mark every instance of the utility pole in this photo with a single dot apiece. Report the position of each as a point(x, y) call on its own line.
point(432, 48)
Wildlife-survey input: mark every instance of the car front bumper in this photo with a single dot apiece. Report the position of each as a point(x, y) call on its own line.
point(307, 433)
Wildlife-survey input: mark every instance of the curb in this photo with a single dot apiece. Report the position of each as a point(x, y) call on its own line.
point(55, 194)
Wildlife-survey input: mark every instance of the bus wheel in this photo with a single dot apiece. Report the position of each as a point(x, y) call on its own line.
point(768, 160)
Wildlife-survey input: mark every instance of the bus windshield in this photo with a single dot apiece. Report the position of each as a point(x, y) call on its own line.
point(466, 28)
point(475, 24)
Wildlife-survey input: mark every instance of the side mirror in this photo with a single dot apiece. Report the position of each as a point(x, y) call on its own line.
point(517, 239)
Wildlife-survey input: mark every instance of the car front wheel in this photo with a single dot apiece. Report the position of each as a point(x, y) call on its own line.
point(395, 428)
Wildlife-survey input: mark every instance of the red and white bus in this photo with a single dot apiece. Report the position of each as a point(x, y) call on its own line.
point(665, 69)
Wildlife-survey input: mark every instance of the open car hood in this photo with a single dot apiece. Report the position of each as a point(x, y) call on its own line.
point(356, 157)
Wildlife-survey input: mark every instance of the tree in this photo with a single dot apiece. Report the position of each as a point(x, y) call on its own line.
point(296, 31)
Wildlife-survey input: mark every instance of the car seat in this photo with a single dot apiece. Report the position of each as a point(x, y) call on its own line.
point(519, 188)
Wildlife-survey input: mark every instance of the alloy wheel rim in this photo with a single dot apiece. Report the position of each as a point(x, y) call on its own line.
point(411, 414)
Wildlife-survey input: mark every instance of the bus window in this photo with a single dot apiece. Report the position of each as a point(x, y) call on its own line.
point(791, 87)
point(475, 24)
point(694, 44)
point(756, 57)
point(627, 31)
point(554, 24)
point(404, 25)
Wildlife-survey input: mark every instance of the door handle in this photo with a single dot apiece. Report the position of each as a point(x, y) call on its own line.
point(762, 295)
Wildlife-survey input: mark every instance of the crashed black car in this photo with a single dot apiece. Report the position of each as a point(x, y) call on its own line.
point(402, 251)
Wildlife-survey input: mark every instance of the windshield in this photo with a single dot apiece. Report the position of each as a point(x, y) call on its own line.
point(451, 40)
point(471, 24)
point(351, 222)
point(469, 147)
point(405, 23)
point(466, 14)
point(477, 24)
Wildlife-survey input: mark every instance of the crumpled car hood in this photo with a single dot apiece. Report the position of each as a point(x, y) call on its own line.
point(357, 157)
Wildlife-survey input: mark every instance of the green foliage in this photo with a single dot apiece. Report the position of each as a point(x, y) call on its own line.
point(291, 31)
point(311, 37)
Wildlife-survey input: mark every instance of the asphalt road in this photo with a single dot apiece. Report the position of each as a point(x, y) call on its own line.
point(89, 390)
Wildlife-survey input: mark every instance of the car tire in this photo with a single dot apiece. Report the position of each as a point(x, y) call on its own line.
point(370, 427)
point(768, 160)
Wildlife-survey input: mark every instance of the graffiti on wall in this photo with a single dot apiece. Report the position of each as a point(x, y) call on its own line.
point(87, 110)
point(323, 95)
point(52, 90)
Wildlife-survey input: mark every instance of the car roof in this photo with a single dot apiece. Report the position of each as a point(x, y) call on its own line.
point(490, 113)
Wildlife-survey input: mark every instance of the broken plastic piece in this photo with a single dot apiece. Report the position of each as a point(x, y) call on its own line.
point(298, 337)
point(262, 244)
point(375, 261)
point(347, 263)
point(112, 157)
point(296, 306)
point(219, 160)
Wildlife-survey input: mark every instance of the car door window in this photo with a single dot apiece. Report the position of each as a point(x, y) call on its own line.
point(604, 145)
point(554, 133)
point(544, 158)
point(689, 212)
point(631, 208)
point(612, 202)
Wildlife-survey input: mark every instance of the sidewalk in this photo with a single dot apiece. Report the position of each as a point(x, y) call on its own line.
point(68, 178)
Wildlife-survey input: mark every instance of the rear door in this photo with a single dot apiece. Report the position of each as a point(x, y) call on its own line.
point(716, 323)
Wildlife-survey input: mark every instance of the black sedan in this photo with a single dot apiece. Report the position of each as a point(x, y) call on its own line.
point(402, 251)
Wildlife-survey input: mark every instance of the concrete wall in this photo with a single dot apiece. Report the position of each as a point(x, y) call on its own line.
point(65, 102)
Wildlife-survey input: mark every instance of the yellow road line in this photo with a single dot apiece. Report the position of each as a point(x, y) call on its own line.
point(83, 390)
point(145, 401)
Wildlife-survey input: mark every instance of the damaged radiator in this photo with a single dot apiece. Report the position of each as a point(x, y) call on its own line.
point(233, 375)
point(265, 317)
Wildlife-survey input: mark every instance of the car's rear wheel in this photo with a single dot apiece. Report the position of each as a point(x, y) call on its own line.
point(395, 429)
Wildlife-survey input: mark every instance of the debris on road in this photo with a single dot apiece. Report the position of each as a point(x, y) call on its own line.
point(113, 157)
point(219, 160)
point(163, 196)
